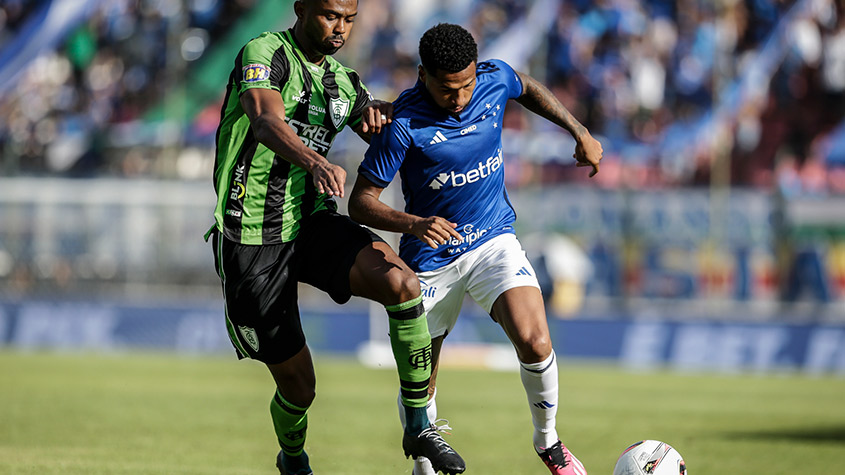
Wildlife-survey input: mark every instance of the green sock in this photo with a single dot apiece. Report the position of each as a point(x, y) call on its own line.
point(291, 423)
point(411, 344)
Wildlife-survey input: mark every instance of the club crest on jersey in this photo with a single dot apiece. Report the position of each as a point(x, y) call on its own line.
point(339, 107)
point(256, 72)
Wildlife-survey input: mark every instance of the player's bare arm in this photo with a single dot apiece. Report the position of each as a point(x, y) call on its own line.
point(366, 208)
point(266, 113)
point(539, 100)
point(376, 115)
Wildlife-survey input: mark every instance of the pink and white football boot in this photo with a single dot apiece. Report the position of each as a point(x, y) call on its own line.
point(561, 461)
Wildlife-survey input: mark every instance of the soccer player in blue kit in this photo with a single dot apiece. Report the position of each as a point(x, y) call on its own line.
point(446, 144)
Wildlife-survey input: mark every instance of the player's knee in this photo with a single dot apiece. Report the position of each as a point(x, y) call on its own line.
point(535, 348)
point(302, 396)
point(404, 285)
point(410, 284)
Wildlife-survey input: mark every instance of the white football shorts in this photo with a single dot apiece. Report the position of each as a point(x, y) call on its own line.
point(484, 273)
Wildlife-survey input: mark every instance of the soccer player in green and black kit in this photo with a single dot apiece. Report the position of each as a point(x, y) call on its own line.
point(277, 225)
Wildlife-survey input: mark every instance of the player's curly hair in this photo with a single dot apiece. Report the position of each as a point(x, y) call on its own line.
point(447, 47)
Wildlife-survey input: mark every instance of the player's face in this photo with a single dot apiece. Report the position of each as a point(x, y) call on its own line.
point(451, 91)
point(326, 23)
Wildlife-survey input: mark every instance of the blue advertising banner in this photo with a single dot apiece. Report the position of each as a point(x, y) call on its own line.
point(724, 346)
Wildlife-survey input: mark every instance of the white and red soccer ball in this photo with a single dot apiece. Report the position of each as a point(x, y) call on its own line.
point(650, 457)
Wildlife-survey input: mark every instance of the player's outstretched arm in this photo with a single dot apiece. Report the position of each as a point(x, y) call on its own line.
point(266, 113)
point(539, 100)
point(366, 208)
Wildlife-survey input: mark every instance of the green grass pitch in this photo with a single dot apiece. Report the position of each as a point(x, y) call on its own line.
point(164, 414)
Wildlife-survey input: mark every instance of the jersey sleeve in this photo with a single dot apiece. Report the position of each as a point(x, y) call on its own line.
point(386, 154)
point(260, 66)
point(362, 98)
point(509, 77)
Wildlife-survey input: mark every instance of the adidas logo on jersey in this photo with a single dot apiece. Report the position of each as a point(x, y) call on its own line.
point(523, 271)
point(438, 137)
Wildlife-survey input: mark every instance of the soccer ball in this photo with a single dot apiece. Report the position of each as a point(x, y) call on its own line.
point(650, 457)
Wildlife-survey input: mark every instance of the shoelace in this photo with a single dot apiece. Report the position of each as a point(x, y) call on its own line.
point(556, 457)
point(431, 432)
point(444, 427)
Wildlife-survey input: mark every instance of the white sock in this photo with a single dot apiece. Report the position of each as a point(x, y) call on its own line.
point(422, 466)
point(541, 387)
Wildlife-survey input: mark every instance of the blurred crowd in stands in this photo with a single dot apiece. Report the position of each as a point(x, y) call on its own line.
point(681, 92)
point(107, 71)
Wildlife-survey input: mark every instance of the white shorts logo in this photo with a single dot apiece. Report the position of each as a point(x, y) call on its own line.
point(427, 291)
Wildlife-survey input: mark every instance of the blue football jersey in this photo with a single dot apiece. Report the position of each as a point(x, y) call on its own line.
point(450, 166)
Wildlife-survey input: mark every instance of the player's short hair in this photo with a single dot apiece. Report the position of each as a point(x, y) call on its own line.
point(447, 47)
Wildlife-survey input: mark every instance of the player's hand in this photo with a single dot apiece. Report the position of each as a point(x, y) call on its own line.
point(376, 115)
point(329, 178)
point(588, 152)
point(435, 231)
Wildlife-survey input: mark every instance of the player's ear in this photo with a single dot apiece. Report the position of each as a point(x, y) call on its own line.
point(299, 8)
point(421, 73)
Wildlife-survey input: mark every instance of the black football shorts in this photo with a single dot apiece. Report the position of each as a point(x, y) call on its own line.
point(260, 282)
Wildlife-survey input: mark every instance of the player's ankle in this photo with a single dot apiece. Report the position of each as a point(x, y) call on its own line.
point(416, 419)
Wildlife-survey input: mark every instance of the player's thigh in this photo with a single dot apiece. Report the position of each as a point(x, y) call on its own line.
point(327, 248)
point(443, 292)
point(499, 265)
point(521, 314)
point(260, 299)
point(380, 275)
point(504, 284)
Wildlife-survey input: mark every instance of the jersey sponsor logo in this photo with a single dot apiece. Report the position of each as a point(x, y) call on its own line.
point(470, 236)
point(314, 136)
point(234, 213)
point(300, 97)
point(250, 336)
point(339, 108)
point(457, 179)
point(438, 138)
point(256, 72)
point(238, 189)
point(468, 129)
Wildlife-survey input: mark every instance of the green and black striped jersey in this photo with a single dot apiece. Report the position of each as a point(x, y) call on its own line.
point(261, 197)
